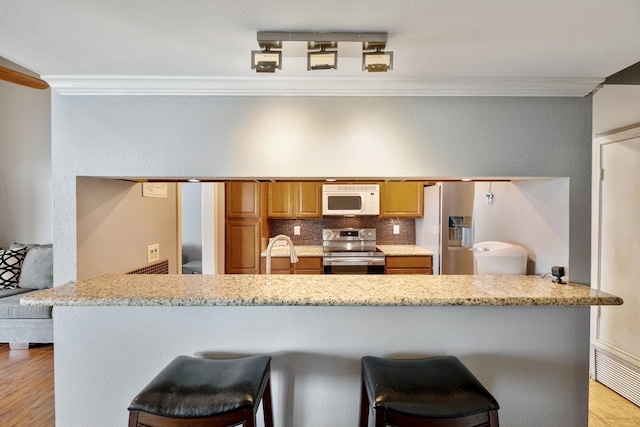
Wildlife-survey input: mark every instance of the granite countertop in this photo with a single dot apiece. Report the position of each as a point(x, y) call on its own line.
point(404, 250)
point(301, 251)
point(328, 290)
point(311, 251)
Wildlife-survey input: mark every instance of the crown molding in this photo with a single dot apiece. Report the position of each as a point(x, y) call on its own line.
point(277, 86)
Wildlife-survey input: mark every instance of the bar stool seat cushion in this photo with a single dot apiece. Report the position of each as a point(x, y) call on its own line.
point(192, 387)
point(437, 387)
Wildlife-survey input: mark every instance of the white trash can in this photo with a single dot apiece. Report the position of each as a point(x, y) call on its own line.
point(499, 258)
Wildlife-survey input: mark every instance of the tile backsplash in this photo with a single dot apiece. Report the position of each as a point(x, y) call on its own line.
point(311, 229)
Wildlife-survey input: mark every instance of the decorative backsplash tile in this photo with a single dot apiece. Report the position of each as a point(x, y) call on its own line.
point(311, 229)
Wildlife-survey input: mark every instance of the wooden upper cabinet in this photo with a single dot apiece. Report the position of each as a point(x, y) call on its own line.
point(307, 200)
point(295, 200)
point(280, 200)
point(402, 199)
point(242, 199)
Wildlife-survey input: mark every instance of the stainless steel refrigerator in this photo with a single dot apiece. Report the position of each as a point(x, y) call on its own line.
point(447, 226)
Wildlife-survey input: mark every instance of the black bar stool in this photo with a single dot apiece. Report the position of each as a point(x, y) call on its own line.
point(432, 392)
point(197, 392)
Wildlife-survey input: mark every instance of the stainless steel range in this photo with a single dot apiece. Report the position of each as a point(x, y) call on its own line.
point(351, 251)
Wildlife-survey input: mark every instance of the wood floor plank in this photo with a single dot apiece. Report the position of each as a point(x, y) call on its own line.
point(26, 381)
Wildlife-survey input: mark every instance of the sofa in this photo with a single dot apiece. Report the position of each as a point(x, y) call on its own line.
point(25, 269)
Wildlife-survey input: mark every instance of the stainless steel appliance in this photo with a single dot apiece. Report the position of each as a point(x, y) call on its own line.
point(351, 200)
point(447, 226)
point(351, 251)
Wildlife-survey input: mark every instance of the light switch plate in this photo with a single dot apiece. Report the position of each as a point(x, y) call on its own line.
point(296, 230)
point(396, 229)
point(153, 252)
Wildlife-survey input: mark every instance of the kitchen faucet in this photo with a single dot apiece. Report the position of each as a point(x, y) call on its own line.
point(292, 252)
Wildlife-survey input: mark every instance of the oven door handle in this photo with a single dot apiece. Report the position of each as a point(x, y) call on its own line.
point(352, 261)
point(344, 261)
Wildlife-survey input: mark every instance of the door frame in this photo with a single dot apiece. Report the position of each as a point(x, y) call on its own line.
point(599, 141)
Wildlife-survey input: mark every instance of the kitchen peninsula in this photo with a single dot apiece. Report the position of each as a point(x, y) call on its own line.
point(525, 337)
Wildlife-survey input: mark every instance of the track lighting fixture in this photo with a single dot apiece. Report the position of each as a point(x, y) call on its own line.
point(377, 61)
point(322, 59)
point(266, 61)
point(374, 58)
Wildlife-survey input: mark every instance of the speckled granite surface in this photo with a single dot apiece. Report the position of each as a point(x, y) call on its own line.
point(390, 250)
point(404, 250)
point(332, 290)
point(301, 251)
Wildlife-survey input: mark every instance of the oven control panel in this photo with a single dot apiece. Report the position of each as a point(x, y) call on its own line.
point(349, 234)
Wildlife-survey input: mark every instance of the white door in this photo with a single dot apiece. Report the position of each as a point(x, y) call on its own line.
point(620, 244)
point(616, 329)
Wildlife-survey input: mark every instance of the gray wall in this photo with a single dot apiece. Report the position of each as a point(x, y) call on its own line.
point(318, 137)
point(25, 165)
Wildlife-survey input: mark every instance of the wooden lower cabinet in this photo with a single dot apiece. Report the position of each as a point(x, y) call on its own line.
point(279, 265)
point(282, 265)
point(246, 227)
point(408, 265)
point(242, 247)
point(308, 265)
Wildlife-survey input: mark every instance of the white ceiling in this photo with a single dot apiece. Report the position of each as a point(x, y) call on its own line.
point(512, 47)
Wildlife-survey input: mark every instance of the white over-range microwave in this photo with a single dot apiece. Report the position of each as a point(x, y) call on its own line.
point(351, 199)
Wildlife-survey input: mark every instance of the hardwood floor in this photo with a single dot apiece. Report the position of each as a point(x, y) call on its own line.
point(608, 409)
point(26, 384)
